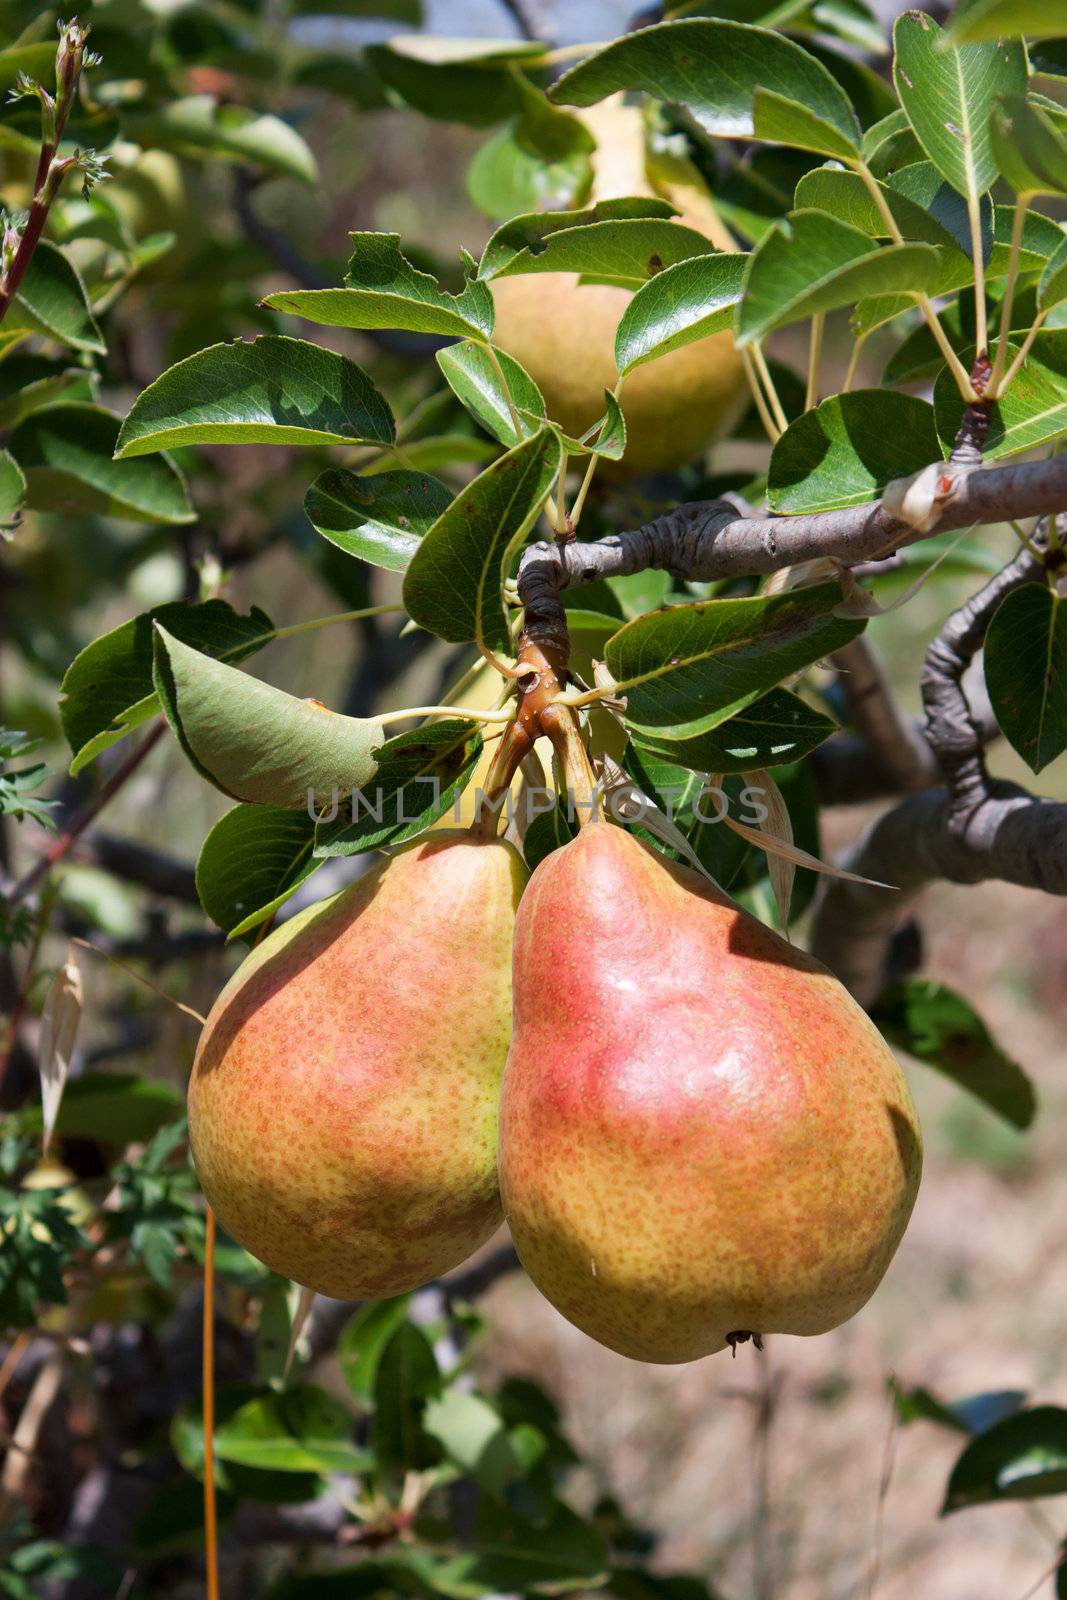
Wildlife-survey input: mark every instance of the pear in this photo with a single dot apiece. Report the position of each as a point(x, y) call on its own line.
point(563, 331)
point(703, 1137)
point(343, 1101)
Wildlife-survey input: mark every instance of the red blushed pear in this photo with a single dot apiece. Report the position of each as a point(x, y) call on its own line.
point(702, 1136)
point(343, 1103)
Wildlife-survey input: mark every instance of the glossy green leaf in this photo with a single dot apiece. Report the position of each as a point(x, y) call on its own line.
point(1029, 150)
point(28, 382)
point(505, 177)
point(1031, 412)
point(1026, 672)
point(712, 69)
point(419, 778)
point(67, 453)
point(273, 390)
point(255, 742)
point(273, 1487)
point(453, 584)
point(473, 375)
point(776, 728)
point(383, 290)
point(477, 94)
point(379, 519)
point(527, 237)
point(948, 92)
point(510, 1555)
point(299, 1430)
point(1021, 1458)
point(845, 196)
point(942, 1030)
point(108, 691)
point(252, 861)
point(12, 493)
point(474, 1436)
point(810, 262)
point(51, 300)
point(685, 302)
point(202, 125)
point(1000, 19)
point(1052, 289)
point(779, 120)
point(545, 833)
point(627, 251)
point(364, 1339)
point(845, 452)
point(689, 668)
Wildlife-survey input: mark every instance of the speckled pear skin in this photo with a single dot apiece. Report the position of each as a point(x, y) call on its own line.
point(343, 1102)
point(701, 1132)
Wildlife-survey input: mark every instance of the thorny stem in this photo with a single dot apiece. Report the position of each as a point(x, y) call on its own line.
point(70, 59)
point(1008, 299)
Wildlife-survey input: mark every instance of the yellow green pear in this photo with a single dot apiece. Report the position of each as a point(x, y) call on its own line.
point(563, 332)
point(343, 1102)
point(703, 1137)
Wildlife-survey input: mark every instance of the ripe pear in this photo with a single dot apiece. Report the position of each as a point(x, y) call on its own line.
point(702, 1135)
point(343, 1102)
point(563, 332)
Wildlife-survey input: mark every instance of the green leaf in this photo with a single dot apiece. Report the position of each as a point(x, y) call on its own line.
point(113, 1107)
point(526, 238)
point(108, 691)
point(505, 177)
point(67, 453)
point(712, 70)
point(1020, 1458)
point(811, 262)
point(51, 300)
point(419, 776)
point(363, 1342)
point(778, 727)
point(890, 144)
point(942, 1030)
point(689, 668)
point(1052, 289)
point(12, 493)
point(251, 862)
point(453, 584)
point(451, 91)
point(948, 92)
point(626, 252)
point(974, 1414)
point(273, 1487)
point(299, 1430)
point(202, 125)
point(922, 205)
point(28, 382)
point(1001, 19)
point(383, 290)
point(678, 305)
point(273, 390)
point(847, 450)
point(510, 1555)
point(779, 120)
point(255, 742)
point(1031, 412)
point(1029, 150)
point(407, 1377)
point(473, 1434)
point(1026, 672)
point(471, 374)
point(379, 519)
point(546, 833)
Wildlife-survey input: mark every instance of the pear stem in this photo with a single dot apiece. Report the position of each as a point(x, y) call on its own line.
point(513, 747)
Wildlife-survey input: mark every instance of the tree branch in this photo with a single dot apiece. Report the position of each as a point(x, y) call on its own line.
point(971, 830)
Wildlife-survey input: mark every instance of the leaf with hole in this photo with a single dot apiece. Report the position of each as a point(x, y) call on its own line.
point(948, 92)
